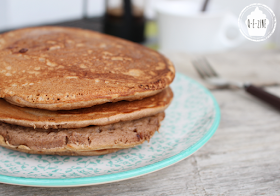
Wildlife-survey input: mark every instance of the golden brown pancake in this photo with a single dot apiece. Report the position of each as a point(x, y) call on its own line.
point(103, 114)
point(92, 140)
point(59, 68)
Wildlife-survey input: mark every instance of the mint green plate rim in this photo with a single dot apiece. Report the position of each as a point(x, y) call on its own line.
point(71, 182)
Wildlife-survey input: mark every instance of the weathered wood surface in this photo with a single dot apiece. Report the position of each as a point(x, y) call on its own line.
point(259, 67)
point(242, 158)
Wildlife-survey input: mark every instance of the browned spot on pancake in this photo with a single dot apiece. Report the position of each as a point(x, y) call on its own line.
point(23, 50)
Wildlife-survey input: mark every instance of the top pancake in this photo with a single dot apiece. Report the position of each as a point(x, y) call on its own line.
point(58, 68)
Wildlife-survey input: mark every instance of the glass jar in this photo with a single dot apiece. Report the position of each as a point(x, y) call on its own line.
point(125, 19)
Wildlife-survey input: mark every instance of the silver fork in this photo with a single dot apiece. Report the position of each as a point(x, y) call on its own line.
point(207, 72)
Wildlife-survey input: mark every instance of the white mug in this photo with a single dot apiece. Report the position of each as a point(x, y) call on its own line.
point(182, 27)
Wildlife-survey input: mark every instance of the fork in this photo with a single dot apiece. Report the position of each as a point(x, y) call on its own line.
point(207, 72)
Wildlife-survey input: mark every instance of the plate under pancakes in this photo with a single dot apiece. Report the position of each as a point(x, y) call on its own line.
point(59, 68)
point(103, 114)
point(92, 140)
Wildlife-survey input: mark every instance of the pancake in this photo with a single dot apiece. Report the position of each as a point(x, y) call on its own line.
point(59, 68)
point(104, 114)
point(92, 140)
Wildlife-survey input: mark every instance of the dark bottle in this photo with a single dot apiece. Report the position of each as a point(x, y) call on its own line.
point(125, 19)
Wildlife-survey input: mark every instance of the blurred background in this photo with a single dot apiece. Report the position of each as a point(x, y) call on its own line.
point(167, 25)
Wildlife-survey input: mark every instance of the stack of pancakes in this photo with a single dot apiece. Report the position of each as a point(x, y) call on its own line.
point(68, 91)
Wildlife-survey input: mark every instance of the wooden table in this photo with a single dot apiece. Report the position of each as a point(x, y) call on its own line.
point(243, 156)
